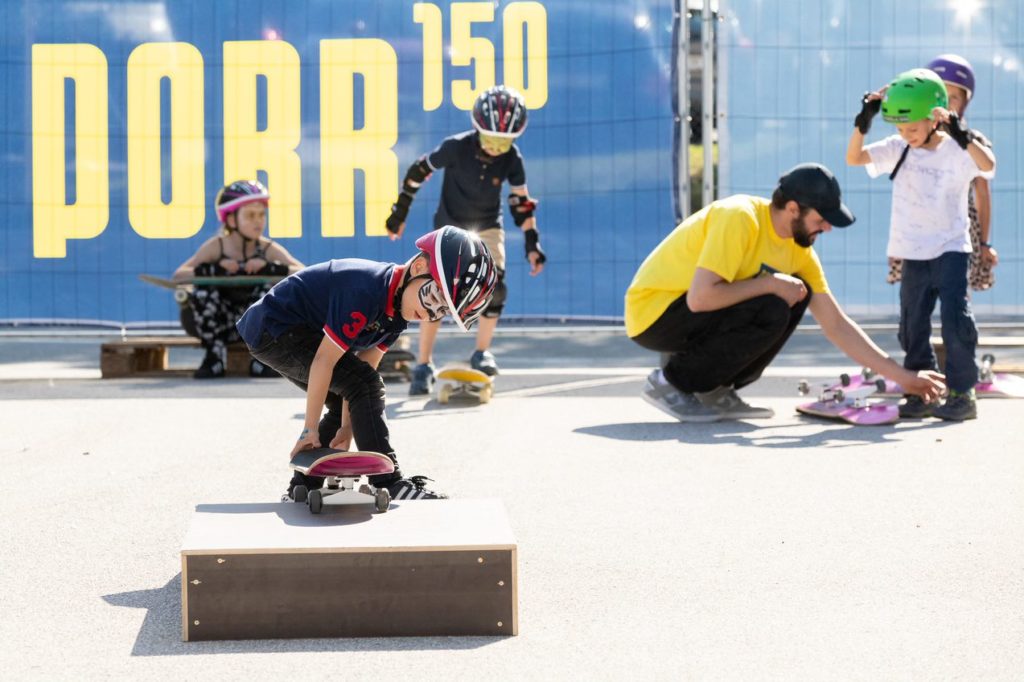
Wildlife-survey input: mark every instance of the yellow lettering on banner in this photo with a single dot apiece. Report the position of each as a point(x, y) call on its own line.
point(149, 216)
point(535, 18)
point(248, 150)
point(433, 53)
point(343, 149)
point(53, 220)
point(466, 50)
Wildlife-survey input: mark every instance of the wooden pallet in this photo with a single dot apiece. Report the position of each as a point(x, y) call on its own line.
point(142, 356)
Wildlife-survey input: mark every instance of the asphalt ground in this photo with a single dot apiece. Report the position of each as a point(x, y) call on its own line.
point(788, 548)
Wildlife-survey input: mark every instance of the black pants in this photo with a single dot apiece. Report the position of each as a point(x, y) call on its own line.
point(727, 347)
point(292, 353)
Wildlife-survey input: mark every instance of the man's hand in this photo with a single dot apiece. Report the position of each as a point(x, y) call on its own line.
point(926, 383)
point(790, 289)
point(308, 440)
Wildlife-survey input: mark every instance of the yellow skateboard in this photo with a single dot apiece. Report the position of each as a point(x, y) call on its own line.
point(459, 380)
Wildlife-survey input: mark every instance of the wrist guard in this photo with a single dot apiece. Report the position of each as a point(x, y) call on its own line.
point(532, 242)
point(522, 207)
point(399, 212)
point(868, 109)
point(960, 133)
point(274, 269)
point(416, 176)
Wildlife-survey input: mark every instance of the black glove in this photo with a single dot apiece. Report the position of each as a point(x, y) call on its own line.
point(960, 133)
point(868, 109)
point(399, 212)
point(532, 241)
point(274, 269)
point(210, 270)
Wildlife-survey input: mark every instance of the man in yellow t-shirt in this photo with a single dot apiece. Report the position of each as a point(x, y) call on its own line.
point(724, 291)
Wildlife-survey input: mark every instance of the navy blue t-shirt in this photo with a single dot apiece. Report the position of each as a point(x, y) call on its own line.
point(471, 192)
point(350, 299)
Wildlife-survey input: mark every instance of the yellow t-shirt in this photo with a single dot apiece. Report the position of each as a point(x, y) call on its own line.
point(732, 237)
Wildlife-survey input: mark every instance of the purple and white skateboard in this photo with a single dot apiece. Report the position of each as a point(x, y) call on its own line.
point(342, 471)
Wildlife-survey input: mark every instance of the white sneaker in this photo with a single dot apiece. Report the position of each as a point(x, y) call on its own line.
point(685, 407)
point(730, 405)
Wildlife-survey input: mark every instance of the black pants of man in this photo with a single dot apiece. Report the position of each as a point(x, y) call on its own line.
point(727, 347)
point(353, 380)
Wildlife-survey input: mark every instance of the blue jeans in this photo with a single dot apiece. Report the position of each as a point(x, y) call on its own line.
point(945, 279)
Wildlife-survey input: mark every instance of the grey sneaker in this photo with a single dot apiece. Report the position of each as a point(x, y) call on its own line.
point(685, 407)
point(730, 405)
point(958, 407)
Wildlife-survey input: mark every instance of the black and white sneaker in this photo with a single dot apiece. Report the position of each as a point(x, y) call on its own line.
point(412, 489)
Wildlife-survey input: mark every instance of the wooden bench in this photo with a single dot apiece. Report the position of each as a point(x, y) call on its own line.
point(985, 342)
point(141, 356)
point(137, 356)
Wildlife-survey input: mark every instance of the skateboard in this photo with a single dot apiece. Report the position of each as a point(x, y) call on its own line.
point(990, 384)
point(181, 287)
point(997, 385)
point(850, 404)
point(459, 380)
point(342, 470)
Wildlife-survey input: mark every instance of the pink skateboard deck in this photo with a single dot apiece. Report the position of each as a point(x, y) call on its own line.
point(993, 385)
point(848, 403)
point(330, 462)
point(341, 471)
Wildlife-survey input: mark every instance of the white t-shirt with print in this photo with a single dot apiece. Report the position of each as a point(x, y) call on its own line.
point(929, 197)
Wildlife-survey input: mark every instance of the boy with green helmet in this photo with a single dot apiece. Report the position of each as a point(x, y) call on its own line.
point(932, 161)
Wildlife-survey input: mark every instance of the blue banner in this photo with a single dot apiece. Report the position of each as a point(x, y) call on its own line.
point(122, 120)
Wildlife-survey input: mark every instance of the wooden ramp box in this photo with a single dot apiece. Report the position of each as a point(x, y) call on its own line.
point(424, 568)
point(147, 356)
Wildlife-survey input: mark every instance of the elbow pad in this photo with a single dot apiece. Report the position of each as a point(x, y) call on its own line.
point(416, 176)
point(522, 207)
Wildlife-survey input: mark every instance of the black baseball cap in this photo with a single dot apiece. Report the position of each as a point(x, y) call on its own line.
point(813, 185)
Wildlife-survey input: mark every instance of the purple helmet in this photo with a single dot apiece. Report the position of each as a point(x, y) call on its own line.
point(500, 112)
point(238, 194)
point(463, 269)
point(954, 70)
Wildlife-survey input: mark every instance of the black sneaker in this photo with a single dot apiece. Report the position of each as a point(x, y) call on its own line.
point(212, 368)
point(412, 489)
point(260, 371)
point(914, 407)
point(958, 407)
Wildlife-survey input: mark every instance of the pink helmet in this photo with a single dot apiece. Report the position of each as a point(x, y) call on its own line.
point(238, 194)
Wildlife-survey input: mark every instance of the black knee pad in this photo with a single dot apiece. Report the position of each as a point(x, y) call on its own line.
point(354, 379)
point(497, 303)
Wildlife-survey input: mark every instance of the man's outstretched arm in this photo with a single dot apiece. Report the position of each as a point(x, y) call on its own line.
point(848, 337)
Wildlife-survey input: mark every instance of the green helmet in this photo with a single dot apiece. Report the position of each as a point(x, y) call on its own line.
point(912, 95)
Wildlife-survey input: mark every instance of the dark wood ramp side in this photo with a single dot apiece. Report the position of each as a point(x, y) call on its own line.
point(336, 575)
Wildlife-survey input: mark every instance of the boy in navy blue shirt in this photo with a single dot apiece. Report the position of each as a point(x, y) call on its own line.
point(326, 327)
point(476, 164)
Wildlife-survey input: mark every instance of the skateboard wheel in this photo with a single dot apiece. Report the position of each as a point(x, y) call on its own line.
point(880, 385)
point(844, 379)
point(300, 493)
point(316, 501)
point(803, 388)
point(382, 500)
point(485, 394)
point(444, 394)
